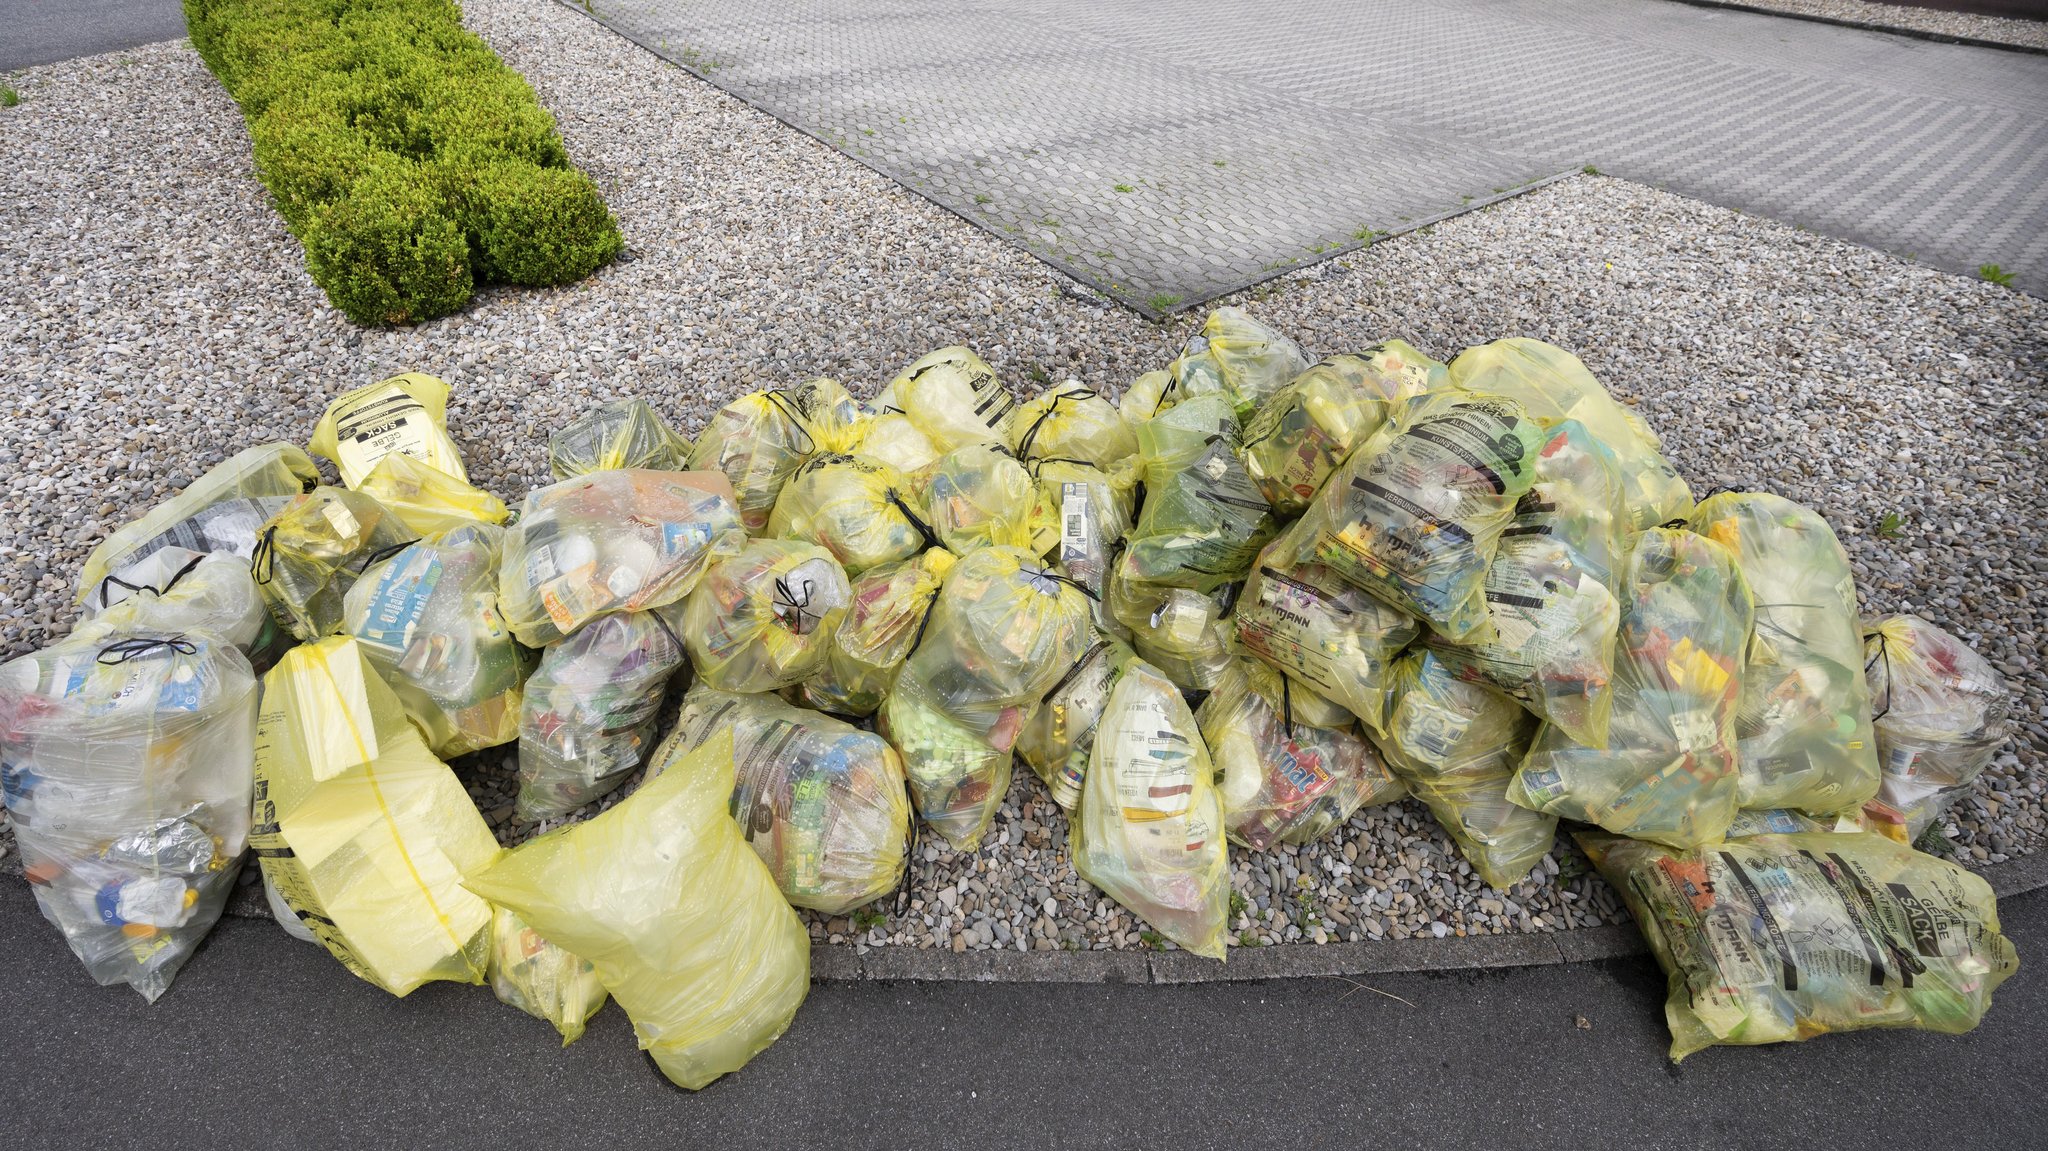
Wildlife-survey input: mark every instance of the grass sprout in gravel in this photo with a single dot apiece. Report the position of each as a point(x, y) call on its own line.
point(157, 317)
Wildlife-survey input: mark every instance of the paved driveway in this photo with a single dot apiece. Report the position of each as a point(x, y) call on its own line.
point(44, 31)
point(1171, 149)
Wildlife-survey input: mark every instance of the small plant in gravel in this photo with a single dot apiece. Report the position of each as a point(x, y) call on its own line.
point(406, 157)
point(8, 97)
point(1995, 274)
point(1152, 939)
point(1590, 170)
point(1891, 526)
point(866, 919)
point(1161, 301)
point(1124, 188)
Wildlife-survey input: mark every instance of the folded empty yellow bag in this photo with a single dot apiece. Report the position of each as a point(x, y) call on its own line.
point(406, 414)
point(679, 916)
point(427, 500)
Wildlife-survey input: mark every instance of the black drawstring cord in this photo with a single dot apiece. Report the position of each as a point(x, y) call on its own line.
point(263, 558)
point(923, 529)
point(385, 553)
point(139, 588)
point(127, 649)
point(662, 623)
point(1030, 435)
point(1086, 657)
point(1884, 652)
point(785, 602)
point(788, 407)
point(1287, 705)
point(1070, 581)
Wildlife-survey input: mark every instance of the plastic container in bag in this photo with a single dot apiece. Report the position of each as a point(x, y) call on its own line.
point(757, 440)
point(883, 623)
point(1070, 422)
point(1311, 426)
point(541, 979)
point(864, 512)
point(1252, 360)
point(980, 495)
point(1059, 734)
point(954, 398)
point(1942, 711)
point(1203, 522)
point(1304, 620)
point(619, 434)
point(764, 619)
point(178, 591)
point(405, 414)
point(427, 501)
point(312, 551)
point(587, 718)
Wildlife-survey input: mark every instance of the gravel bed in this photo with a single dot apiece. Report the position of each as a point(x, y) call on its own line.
point(1999, 29)
point(157, 316)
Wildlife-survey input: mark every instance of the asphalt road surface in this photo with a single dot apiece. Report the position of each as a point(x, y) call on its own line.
point(43, 31)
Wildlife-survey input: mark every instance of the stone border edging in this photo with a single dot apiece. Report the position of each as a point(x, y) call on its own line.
point(1867, 26)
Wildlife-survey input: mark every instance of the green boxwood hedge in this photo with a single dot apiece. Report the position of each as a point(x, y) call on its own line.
point(406, 157)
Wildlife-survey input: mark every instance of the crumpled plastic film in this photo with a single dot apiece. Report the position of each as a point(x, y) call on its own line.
point(954, 398)
point(1942, 711)
point(863, 511)
point(890, 438)
point(407, 413)
point(222, 511)
point(1456, 745)
point(1551, 384)
point(1059, 733)
point(1293, 765)
point(1251, 360)
point(836, 421)
point(428, 619)
point(587, 719)
point(1311, 426)
point(361, 829)
point(676, 912)
point(1149, 831)
point(1551, 590)
point(764, 619)
point(127, 780)
point(176, 590)
point(980, 495)
point(1415, 516)
point(624, 540)
point(541, 979)
point(1001, 633)
point(1804, 734)
point(1203, 522)
point(1182, 633)
point(620, 434)
point(884, 621)
point(1669, 771)
point(1304, 620)
point(1778, 938)
point(757, 440)
point(427, 501)
point(1070, 422)
point(823, 803)
point(312, 550)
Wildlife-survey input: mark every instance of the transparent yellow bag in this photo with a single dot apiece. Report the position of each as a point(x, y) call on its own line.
point(954, 398)
point(1145, 397)
point(176, 591)
point(1551, 590)
point(1059, 733)
point(1803, 735)
point(1304, 620)
point(890, 438)
point(676, 912)
point(541, 979)
point(757, 440)
point(1942, 712)
point(428, 501)
point(619, 434)
point(1551, 384)
point(361, 829)
point(407, 413)
point(312, 551)
point(1149, 832)
point(428, 619)
point(1669, 771)
point(1251, 360)
point(764, 619)
point(1070, 422)
point(1293, 766)
point(1779, 938)
point(1082, 514)
point(980, 495)
point(1310, 427)
point(836, 421)
point(221, 511)
point(862, 511)
point(587, 720)
point(822, 803)
point(884, 621)
point(1457, 745)
point(1182, 633)
point(612, 541)
point(1203, 522)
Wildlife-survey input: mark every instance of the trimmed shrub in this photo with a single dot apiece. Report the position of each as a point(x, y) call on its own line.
point(406, 157)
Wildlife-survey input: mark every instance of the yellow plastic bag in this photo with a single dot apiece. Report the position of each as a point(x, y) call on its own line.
point(676, 912)
point(1070, 422)
point(1293, 765)
point(1082, 513)
point(764, 619)
point(541, 979)
point(890, 438)
point(612, 541)
point(1669, 771)
point(1203, 522)
point(822, 802)
point(836, 422)
point(954, 398)
point(407, 413)
point(1150, 827)
point(980, 495)
point(1181, 632)
point(312, 551)
point(1251, 360)
point(176, 591)
point(1779, 938)
point(428, 501)
point(757, 440)
point(1304, 620)
point(221, 511)
point(862, 511)
point(1803, 734)
point(885, 620)
point(1145, 397)
point(1059, 734)
point(361, 829)
point(1310, 427)
point(428, 619)
point(1456, 745)
point(620, 434)
point(1551, 384)
point(588, 717)
point(1942, 712)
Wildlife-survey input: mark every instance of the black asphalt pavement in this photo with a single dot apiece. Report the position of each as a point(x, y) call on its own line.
point(43, 31)
point(267, 1042)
